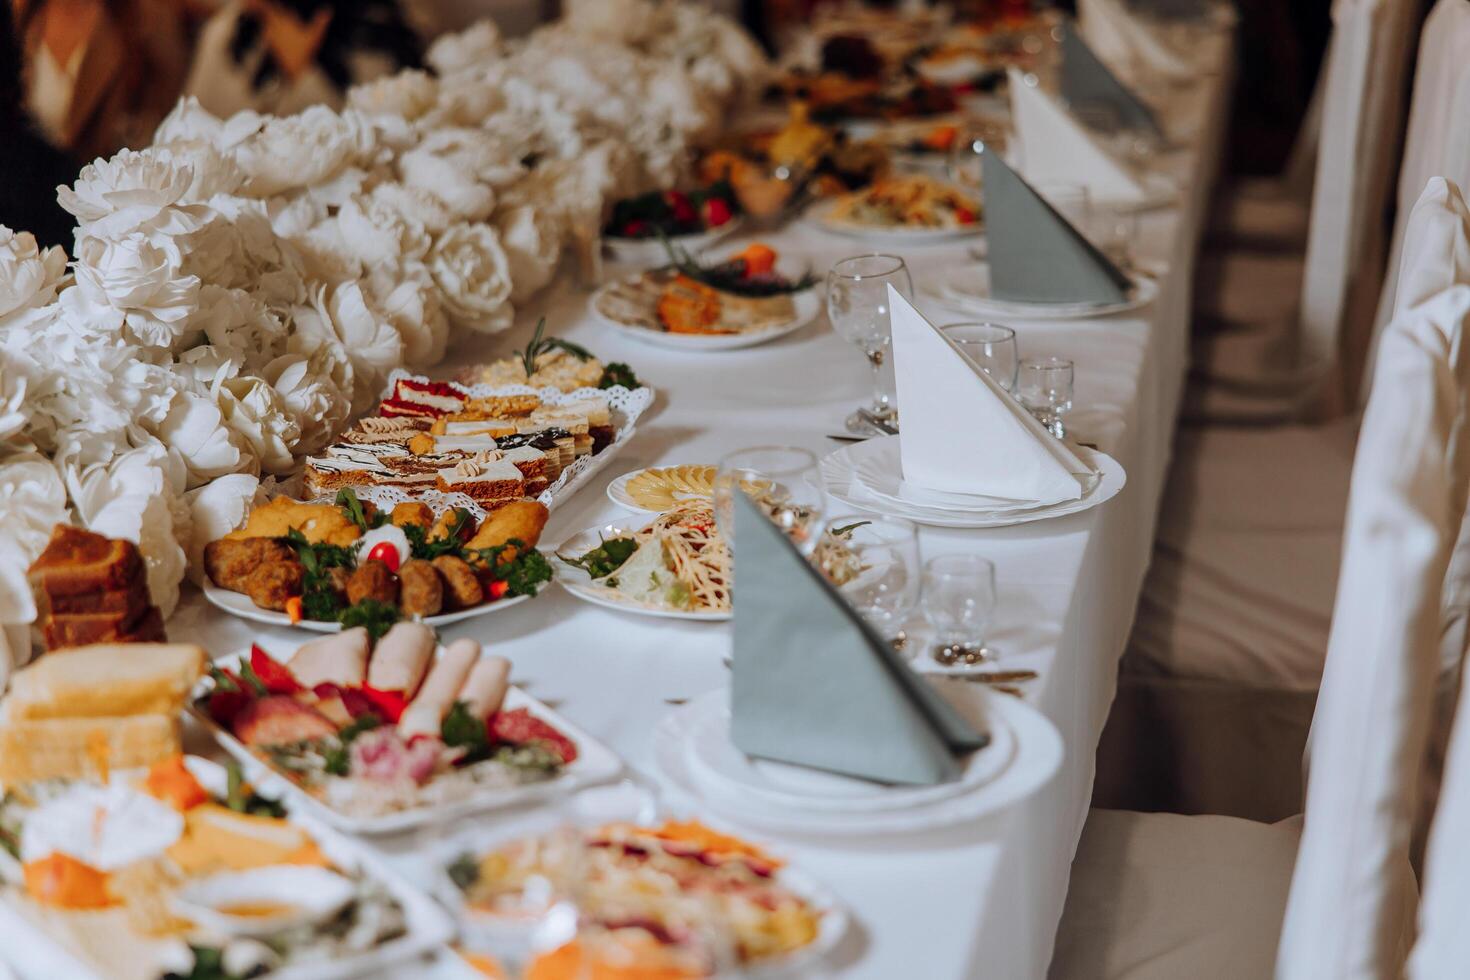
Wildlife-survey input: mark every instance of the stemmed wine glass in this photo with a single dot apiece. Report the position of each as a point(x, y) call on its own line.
point(874, 562)
point(782, 481)
point(857, 306)
point(991, 347)
point(1044, 385)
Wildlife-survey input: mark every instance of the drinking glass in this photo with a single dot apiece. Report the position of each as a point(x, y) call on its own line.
point(857, 306)
point(966, 164)
point(874, 562)
point(1044, 386)
point(991, 347)
point(959, 599)
point(783, 483)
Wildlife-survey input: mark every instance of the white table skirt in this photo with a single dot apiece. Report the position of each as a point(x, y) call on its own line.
point(979, 901)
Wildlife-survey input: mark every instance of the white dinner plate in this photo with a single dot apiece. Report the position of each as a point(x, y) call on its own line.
point(808, 304)
point(714, 759)
point(839, 477)
point(1037, 757)
point(239, 604)
point(617, 490)
point(967, 288)
point(595, 763)
point(878, 468)
point(650, 252)
point(820, 215)
point(576, 581)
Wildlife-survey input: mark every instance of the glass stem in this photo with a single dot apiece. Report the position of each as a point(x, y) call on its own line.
point(881, 407)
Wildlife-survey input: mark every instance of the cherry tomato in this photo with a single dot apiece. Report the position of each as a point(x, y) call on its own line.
point(635, 229)
point(964, 216)
point(716, 212)
point(499, 588)
point(385, 552)
point(680, 206)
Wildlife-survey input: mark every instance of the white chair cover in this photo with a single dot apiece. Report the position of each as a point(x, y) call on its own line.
point(1350, 910)
point(1438, 143)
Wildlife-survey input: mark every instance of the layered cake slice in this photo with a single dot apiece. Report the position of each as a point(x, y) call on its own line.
point(489, 484)
point(377, 429)
point(423, 399)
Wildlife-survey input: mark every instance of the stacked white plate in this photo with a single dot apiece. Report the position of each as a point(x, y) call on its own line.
point(696, 758)
point(967, 288)
point(868, 475)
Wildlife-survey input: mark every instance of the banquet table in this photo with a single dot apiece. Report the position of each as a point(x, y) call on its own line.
point(982, 900)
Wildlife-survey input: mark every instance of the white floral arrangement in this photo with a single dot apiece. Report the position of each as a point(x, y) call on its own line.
point(239, 290)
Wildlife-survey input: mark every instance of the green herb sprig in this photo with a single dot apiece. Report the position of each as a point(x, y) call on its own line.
point(523, 575)
point(617, 373)
point(541, 344)
point(374, 616)
point(606, 558)
point(347, 500)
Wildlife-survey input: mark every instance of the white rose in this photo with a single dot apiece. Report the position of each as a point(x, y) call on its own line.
point(116, 196)
point(29, 276)
point(141, 277)
point(307, 388)
point(251, 408)
point(410, 301)
point(32, 502)
point(195, 428)
point(378, 233)
point(473, 46)
point(532, 244)
point(303, 150)
point(216, 509)
point(409, 94)
point(473, 273)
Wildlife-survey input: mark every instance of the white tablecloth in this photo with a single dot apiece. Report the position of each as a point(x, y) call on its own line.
point(982, 901)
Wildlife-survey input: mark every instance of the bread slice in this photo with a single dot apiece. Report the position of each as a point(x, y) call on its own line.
point(73, 748)
point(132, 600)
point(76, 562)
point(106, 680)
point(81, 629)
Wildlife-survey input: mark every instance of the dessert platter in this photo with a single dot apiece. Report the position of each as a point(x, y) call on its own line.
point(639, 226)
point(328, 567)
point(381, 735)
point(676, 565)
point(740, 302)
point(121, 857)
point(903, 210)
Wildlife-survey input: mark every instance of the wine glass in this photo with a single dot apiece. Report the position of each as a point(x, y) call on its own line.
point(991, 347)
point(783, 483)
point(874, 562)
point(966, 165)
point(1044, 386)
point(857, 306)
point(959, 600)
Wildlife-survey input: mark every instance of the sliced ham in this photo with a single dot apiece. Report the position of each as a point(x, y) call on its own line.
point(401, 659)
point(440, 689)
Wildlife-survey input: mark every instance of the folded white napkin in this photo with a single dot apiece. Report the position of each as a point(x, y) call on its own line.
point(1057, 148)
point(1123, 39)
point(963, 433)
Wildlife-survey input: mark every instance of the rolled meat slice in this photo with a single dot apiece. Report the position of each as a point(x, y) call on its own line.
point(402, 657)
point(338, 659)
point(485, 688)
point(440, 689)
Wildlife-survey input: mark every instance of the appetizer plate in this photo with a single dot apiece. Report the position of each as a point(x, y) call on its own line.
point(967, 288)
point(820, 215)
point(595, 763)
point(26, 944)
point(651, 252)
point(840, 477)
point(808, 304)
point(239, 604)
point(617, 490)
point(1036, 758)
point(576, 581)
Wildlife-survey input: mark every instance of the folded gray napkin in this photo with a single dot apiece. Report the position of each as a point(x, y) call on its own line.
point(814, 685)
point(1035, 254)
point(1088, 84)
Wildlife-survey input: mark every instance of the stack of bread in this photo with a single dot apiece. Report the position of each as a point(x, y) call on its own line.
point(92, 589)
point(78, 713)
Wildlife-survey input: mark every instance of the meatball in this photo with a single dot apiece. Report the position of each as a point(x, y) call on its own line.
point(422, 591)
point(271, 584)
point(372, 580)
point(229, 561)
point(461, 585)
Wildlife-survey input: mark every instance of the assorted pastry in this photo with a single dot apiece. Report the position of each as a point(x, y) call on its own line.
point(373, 727)
point(350, 563)
point(136, 864)
point(678, 562)
point(912, 201)
point(650, 899)
point(666, 214)
point(92, 589)
point(551, 362)
point(743, 294)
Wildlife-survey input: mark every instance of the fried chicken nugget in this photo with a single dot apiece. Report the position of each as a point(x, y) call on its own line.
point(229, 561)
point(520, 519)
point(421, 590)
point(412, 512)
point(372, 580)
point(462, 587)
point(271, 584)
point(320, 523)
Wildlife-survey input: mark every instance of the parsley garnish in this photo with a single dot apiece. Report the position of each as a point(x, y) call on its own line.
point(523, 574)
point(605, 559)
point(464, 872)
point(376, 617)
point(617, 373)
point(543, 345)
point(460, 729)
point(422, 546)
point(320, 600)
point(347, 500)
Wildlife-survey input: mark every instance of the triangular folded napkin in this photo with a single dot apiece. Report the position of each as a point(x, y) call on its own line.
point(1035, 254)
point(812, 683)
point(962, 432)
point(1088, 84)
point(1057, 148)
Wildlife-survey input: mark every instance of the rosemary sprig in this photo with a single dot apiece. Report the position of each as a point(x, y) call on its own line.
point(541, 344)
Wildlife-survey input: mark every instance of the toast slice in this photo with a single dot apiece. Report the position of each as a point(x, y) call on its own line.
point(133, 601)
point(108, 679)
point(76, 561)
point(73, 748)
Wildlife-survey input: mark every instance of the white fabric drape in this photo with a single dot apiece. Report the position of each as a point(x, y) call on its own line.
point(1352, 891)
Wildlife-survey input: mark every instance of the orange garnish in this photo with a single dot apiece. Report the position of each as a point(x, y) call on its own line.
point(711, 842)
point(172, 782)
point(760, 260)
point(940, 137)
point(293, 609)
point(67, 883)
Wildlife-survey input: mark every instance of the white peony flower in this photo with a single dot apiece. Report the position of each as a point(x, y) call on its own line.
point(15, 416)
point(251, 407)
point(341, 317)
point(408, 94)
point(304, 150)
point(133, 189)
point(139, 276)
point(410, 300)
point(32, 502)
point(190, 121)
point(377, 233)
point(317, 400)
point(216, 509)
point(451, 53)
point(473, 273)
point(415, 205)
point(195, 428)
point(29, 276)
point(532, 243)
